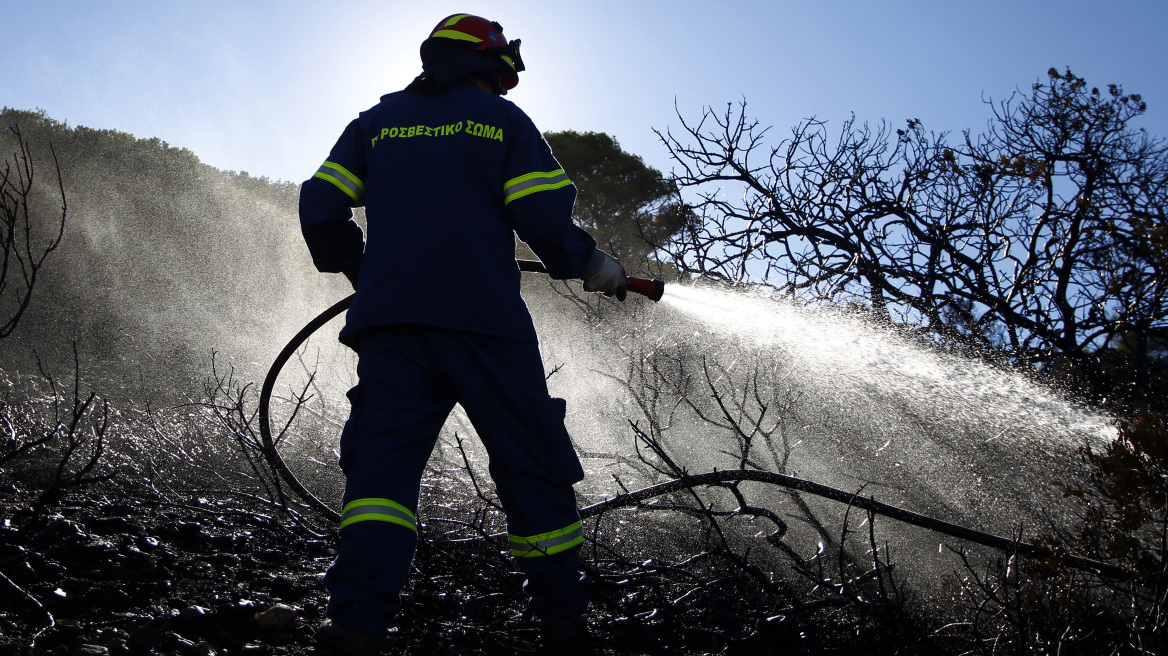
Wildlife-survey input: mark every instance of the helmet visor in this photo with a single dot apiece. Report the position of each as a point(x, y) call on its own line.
point(510, 54)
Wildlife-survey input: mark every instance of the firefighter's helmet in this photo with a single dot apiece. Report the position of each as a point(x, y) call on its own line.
point(481, 35)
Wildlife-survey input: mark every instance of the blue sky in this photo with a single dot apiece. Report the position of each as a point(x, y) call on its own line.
point(266, 87)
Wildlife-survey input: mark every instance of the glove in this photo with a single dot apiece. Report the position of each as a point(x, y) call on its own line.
point(351, 274)
point(606, 275)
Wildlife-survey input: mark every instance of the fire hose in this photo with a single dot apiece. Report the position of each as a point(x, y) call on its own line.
point(654, 289)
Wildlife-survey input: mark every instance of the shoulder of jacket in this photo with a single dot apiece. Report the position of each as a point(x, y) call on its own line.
point(515, 113)
point(386, 103)
point(389, 99)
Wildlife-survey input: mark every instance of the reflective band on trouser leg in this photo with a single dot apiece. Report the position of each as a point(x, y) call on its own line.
point(345, 181)
point(533, 182)
point(380, 510)
point(546, 544)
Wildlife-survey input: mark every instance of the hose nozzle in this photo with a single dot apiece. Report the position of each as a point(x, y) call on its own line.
point(653, 289)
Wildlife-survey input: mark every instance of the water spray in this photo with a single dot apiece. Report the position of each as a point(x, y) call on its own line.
point(654, 290)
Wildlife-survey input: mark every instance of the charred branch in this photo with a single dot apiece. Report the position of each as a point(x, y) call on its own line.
point(26, 238)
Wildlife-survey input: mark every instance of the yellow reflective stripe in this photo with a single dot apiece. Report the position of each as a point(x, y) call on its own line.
point(528, 184)
point(455, 34)
point(454, 19)
point(345, 172)
point(380, 510)
point(510, 62)
point(546, 544)
point(345, 181)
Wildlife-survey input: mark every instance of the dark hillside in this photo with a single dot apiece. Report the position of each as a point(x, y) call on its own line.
point(164, 258)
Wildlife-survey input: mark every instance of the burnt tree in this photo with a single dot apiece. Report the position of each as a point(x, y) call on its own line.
point(1041, 239)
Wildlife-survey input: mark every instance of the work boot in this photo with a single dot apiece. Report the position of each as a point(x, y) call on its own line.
point(336, 639)
point(565, 635)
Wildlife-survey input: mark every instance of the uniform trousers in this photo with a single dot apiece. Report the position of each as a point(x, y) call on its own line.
point(409, 378)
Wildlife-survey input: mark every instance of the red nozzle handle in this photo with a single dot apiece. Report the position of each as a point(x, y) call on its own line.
point(654, 289)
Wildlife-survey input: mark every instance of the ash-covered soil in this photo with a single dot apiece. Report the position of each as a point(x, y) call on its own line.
point(135, 576)
point(131, 573)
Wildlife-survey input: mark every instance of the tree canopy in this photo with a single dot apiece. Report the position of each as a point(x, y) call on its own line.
point(628, 206)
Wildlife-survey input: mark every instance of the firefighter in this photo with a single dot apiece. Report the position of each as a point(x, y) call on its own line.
point(449, 172)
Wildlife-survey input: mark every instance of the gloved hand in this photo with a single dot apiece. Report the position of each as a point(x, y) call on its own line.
point(351, 274)
point(606, 275)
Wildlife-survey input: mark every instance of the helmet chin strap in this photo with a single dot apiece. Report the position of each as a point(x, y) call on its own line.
point(497, 87)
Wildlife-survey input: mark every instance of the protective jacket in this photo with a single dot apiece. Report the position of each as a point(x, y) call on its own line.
point(446, 181)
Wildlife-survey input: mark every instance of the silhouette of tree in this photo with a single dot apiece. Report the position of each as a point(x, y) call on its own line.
point(1043, 238)
point(24, 245)
point(630, 208)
